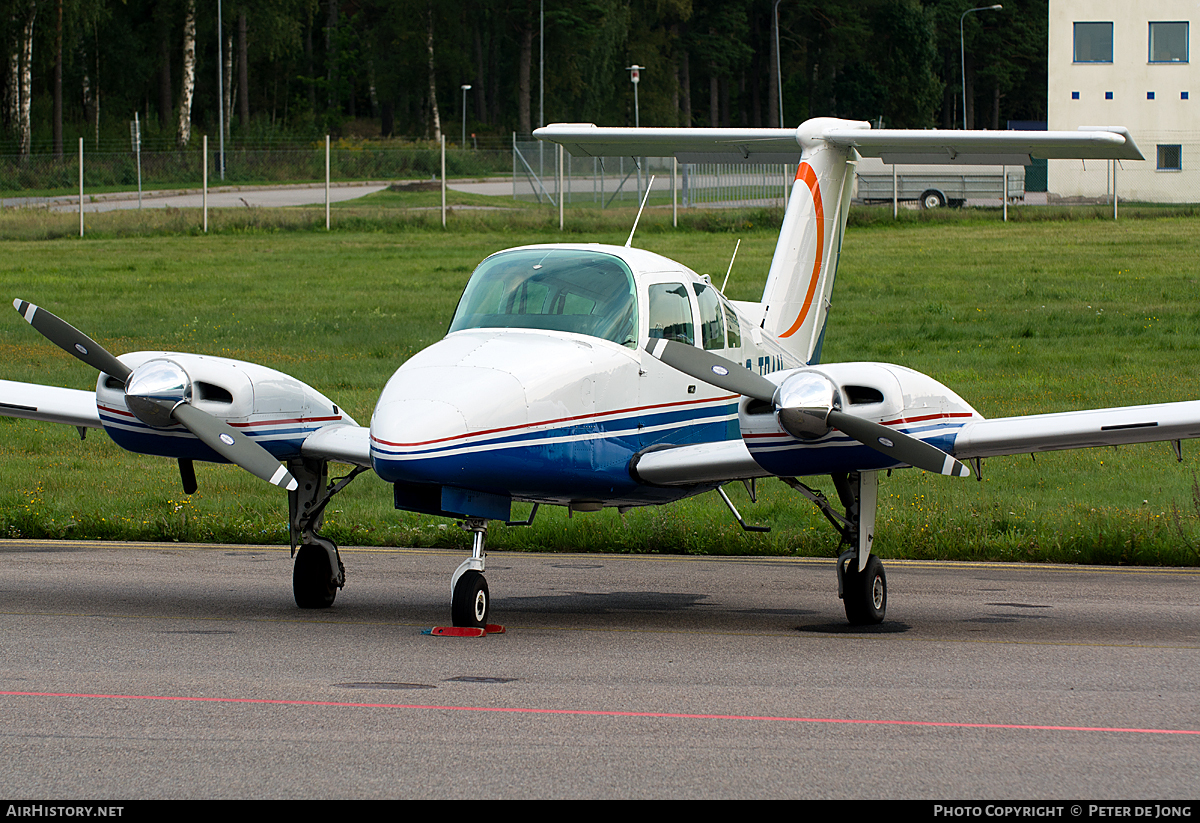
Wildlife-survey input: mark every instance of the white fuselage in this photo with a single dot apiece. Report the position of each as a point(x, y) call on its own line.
point(555, 415)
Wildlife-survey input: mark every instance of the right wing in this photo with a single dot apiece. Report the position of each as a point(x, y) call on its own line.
point(343, 444)
point(71, 407)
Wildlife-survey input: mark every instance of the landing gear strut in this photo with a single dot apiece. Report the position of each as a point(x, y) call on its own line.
point(470, 602)
point(318, 572)
point(862, 585)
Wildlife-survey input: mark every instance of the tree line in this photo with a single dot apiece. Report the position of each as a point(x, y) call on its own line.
point(294, 69)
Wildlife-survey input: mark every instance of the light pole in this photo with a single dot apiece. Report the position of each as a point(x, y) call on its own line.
point(220, 95)
point(466, 87)
point(778, 71)
point(635, 72)
point(962, 53)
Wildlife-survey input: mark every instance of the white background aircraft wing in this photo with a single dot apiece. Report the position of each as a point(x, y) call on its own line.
point(344, 444)
point(1079, 429)
point(52, 404)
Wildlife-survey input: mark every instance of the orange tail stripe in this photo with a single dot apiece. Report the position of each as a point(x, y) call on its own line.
point(809, 177)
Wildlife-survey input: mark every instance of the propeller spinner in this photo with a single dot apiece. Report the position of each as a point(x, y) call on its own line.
point(807, 406)
point(159, 393)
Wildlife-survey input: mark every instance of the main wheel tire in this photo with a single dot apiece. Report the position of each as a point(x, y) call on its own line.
point(312, 578)
point(471, 603)
point(865, 593)
point(932, 199)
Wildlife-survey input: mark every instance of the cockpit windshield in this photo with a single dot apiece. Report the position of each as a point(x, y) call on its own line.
point(572, 290)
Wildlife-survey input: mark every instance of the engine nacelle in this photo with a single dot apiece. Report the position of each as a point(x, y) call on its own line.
point(272, 408)
point(895, 396)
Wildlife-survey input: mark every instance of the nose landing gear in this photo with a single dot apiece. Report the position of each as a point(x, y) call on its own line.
point(470, 601)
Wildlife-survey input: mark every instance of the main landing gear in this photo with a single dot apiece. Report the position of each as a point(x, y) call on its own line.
point(317, 573)
point(862, 584)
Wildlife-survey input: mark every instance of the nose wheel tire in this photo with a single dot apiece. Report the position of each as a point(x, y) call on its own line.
point(312, 579)
point(471, 603)
point(865, 593)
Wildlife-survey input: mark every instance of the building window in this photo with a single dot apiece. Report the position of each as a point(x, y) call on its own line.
point(1094, 42)
point(1075, 95)
point(1108, 95)
point(1183, 95)
point(1168, 42)
point(1149, 95)
point(1170, 158)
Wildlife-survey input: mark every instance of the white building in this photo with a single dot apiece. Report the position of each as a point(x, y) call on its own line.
point(1122, 63)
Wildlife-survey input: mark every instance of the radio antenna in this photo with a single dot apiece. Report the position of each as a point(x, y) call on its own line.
point(629, 242)
point(731, 259)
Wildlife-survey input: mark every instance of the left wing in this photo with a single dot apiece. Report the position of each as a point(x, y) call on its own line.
point(697, 464)
point(1078, 429)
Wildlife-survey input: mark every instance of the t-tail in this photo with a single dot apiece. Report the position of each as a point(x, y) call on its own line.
point(799, 286)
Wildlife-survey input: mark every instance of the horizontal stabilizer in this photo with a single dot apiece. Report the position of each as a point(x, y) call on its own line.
point(892, 145)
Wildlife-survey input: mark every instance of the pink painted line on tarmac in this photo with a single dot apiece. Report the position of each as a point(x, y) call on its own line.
point(600, 713)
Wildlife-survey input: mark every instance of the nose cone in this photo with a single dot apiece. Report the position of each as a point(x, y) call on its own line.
point(502, 411)
point(429, 421)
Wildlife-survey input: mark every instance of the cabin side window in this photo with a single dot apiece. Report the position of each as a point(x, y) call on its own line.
point(670, 313)
point(735, 335)
point(712, 330)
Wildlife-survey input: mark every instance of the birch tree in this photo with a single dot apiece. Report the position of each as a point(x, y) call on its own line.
point(189, 75)
point(25, 84)
point(437, 118)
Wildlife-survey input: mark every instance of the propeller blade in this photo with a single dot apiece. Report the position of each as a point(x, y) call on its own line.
point(234, 446)
point(712, 369)
point(898, 445)
point(72, 340)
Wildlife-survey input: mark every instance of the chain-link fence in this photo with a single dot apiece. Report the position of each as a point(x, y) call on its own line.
point(109, 169)
point(622, 181)
point(1166, 176)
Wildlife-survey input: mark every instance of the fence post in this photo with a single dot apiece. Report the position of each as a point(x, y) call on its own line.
point(1114, 178)
point(204, 176)
point(1004, 196)
point(561, 198)
point(895, 195)
point(674, 199)
point(443, 181)
point(81, 187)
point(327, 182)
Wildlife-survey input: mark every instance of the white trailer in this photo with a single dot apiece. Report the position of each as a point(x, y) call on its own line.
point(934, 186)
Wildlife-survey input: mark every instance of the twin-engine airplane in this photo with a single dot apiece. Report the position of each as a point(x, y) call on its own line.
point(589, 376)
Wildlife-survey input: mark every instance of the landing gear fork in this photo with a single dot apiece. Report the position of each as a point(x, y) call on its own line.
point(862, 584)
point(470, 601)
point(318, 572)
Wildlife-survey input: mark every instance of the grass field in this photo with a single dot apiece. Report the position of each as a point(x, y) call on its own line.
point(1023, 317)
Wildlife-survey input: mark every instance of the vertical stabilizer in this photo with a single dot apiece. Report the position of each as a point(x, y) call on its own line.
point(810, 241)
